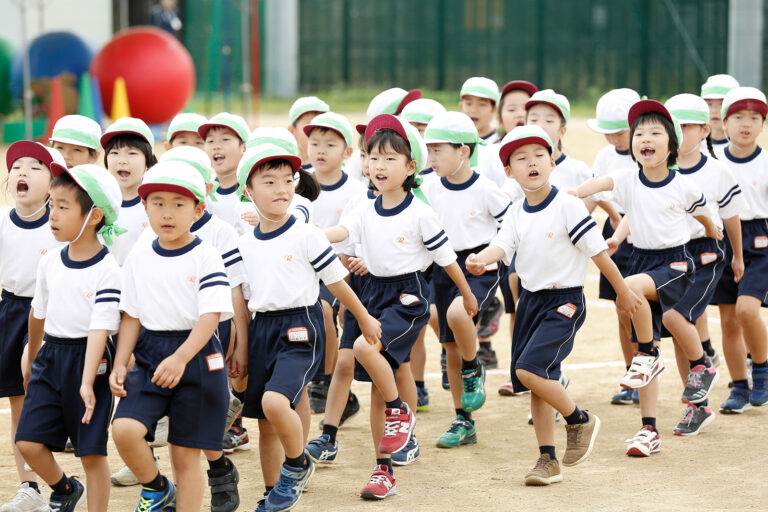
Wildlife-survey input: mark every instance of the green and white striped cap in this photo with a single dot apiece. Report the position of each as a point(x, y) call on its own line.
point(392, 101)
point(422, 110)
point(612, 109)
point(173, 176)
point(273, 135)
point(405, 130)
point(521, 136)
point(717, 86)
point(186, 122)
point(77, 130)
point(454, 128)
point(198, 159)
point(332, 121)
point(258, 155)
point(481, 87)
point(744, 98)
point(688, 108)
point(130, 125)
point(554, 100)
point(232, 121)
point(306, 104)
point(103, 190)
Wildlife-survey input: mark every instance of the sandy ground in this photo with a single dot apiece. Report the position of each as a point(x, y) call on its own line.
point(724, 468)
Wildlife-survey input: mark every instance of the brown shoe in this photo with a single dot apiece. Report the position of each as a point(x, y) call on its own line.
point(581, 440)
point(545, 472)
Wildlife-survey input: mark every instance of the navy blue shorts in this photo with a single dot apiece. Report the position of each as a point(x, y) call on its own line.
point(401, 304)
point(506, 290)
point(351, 330)
point(14, 319)
point(327, 296)
point(754, 237)
point(709, 257)
point(622, 258)
point(672, 271)
point(285, 350)
point(445, 290)
point(224, 334)
point(53, 408)
point(196, 407)
point(545, 328)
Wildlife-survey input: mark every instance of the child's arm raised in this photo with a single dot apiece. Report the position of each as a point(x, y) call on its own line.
point(337, 234)
point(712, 229)
point(369, 326)
point(593, 186)
point(476, 263)
point(170, 370)
point(94, 351)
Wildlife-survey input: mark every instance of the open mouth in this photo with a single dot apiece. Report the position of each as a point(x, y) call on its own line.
point(380, 178)
point(218, 158)
point(533, 174)
point(745, 134)
point(22, 187)
point(124, 174)
point(475, 119)
point(647, 152)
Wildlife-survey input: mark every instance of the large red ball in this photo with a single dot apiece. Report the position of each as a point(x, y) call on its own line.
point(158, 71)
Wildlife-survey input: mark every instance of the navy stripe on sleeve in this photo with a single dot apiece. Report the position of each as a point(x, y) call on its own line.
point(230, 253)
point(107, 299)
point(434, 248)
point(500, 215)
point(108, 290)
point(211, 276)
point(701, 202)
point(435, 238)
point(589, 226)
point(232, 262)
point(328, 261)
point(214, 283)
point(323, 255)
point(724, 204)
point(579, 225)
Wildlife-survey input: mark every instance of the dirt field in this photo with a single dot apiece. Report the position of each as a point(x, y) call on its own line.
point(724, 468)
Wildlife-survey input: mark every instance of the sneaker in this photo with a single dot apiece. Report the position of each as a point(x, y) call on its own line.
point(473, 388)
point(645, 443)
point(444, 371)
point(69, 447)
point(170, 507)
point(737, 402)
point(408, 455)
point(564, 379)
point(694, 419)
point(643, 370)
point(223, 483)
point(380, 486)
point(545, 472)
point(758, 396)
point(161, 433)
point(398, 429)
point(623, 397)
point(635, 397)
point(352, 408)
point(507, 389)
point(321, 450)
point(261, 505)
point(318, 393)
point(701, 380)
point(152, 500)
point(580, 440)
point(422, 400)
point(715, 358)
point(487, 357)
point(460, 432)
point(27, 499)
point(125, 477)
point(69, 502)
point(287, 492)
point(488, 323)
point(235, 439)
point(234, 411)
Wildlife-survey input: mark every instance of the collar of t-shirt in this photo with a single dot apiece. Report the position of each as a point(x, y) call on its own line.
point(127, 203)
point(656, 184)
point(691, 170)
point(337, 185)
point(225, 191)
point(560, 159)
point(460, 186)
point(276, 233)
point(538, 207)
point(70, 263)
point(175, 252)
point(744, 160)
point(202, 221)
point(389, 212)
point(29, 224)
point(620, 152)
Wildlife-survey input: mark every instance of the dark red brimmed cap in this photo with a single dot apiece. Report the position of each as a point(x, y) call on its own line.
point(748, 104)
point(383, 122)
point(147, 188)
point(28, 148)
point(412, 95)
point(646, 106)
point(360, 128)
point(523, 85)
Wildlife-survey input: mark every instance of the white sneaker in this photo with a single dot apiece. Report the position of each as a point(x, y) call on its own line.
point(161, 433)
point(235, 408)
point(27, 499)
point(125, 477)
point(642, 371)
point(645, 443)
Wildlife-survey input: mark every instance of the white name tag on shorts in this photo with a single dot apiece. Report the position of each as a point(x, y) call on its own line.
point(492, 267)
point(761, 242)
point(708, 257)
point(102, 369)
point(407, 299)
point(298, 334)
point(681, 266)
point(215, 362)
point(567, 310)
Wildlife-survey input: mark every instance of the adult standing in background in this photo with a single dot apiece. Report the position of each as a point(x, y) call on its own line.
point(165, 15)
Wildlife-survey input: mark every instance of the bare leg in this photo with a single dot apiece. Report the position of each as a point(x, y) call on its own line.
point(377, 421)
point(305, 415)
point(41, 460)
point(453, 368)
point(331, 338)
point(191, 484)
point(128, 435)
point(286, 421)
point(549, 391)
point(543, 420)
point(377, 367)
point(406, 386)
point(97, 481)
point(734, 349)
point(419, 355)
point(748, 315)
point(338, 392)
point(271, 453)
point(24, 475)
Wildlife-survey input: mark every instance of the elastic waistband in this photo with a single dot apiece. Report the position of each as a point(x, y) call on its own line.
point(6, 295)
point(55, 340)
point(668, 250)
point(703, 242)
point(557, 291)
point(289, 311)
point(467, 252)
point(168, 334)
point(753, 222)
point(397, 279)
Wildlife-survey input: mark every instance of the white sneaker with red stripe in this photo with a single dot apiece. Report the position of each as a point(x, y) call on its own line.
point(398, 428)
point(645, 443)
point(642, 371)
point(380, 486)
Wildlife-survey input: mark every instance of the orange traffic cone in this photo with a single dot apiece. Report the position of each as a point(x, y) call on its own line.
point(55, 109)
point(120, 106)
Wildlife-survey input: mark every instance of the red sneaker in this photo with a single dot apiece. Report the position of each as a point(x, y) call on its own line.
point(380, 486)
point(398, 427)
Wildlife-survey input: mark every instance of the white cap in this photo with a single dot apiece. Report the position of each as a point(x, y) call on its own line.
point(173, 176)
point(186, 122)
point(717, 86)
point(332, 121)
point(422, 110)
point(392, 101)
point(553, 99)
point(273, 135)
point(306, 104)
point(481, 87)
point(454, 128)
point(744, 98)
point(224, 119)
point(688, 108)
point(77, 130)
point(612, 109)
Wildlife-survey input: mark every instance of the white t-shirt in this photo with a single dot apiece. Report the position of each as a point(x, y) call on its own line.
point(568, 174)
point(300, 207)
point(719, 187)
point(332, 201)
point(428, 175)
point(718, 146)
point(75, 297)
point(133, 217)
point(491, 137)
point(470, 212)
point(489, 164)
point(658, 211)
point(168, 290)
point(553, 240)
point(284, 267)
point(751, 173)
point(22, 244)
point(354, 167)
point(226, 204)
point(356, 206)
point(608, 160)
point(399, 240)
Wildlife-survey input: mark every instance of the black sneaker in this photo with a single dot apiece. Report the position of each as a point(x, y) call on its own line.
point(223, 483)
point(318, 392)
point(352, 408)
point(68, 502)
point(694, 419)
point(487, 357)
point(488, 324)
point(701, 380)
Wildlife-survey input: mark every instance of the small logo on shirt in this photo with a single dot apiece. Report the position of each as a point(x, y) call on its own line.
point(144, 224)
point(407, 299)
point(192, 279)
point(567, 310)
point(671, 207)
point(550, 235)
point(400, 239)
point(297, 334)
point(43, 252)
point(88, 295)
point(761, 242)
point(289, 258)
point(472, 213)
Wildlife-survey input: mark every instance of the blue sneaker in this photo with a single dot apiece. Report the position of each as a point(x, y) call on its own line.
point(635, 396)
point(623, 397)
point(285, 495)
point(422, 401)
point(759, 394)
point(408, 455)
point(444, 370)
point(321, 450)
point(152, 500)
point(68, 502)
point(261, 506)
point(738, 401)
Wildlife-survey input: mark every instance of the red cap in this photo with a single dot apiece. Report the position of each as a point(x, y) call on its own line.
point(360, 128)
point(147, 188)
point(412, 95)
point(383, 122)
point(521, 85)
point(748, 104)
point(507, 149)
point(28, 148)
point(646, 106)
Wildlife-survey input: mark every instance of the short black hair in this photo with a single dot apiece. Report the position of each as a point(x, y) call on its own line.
point(129, 140)
point(391, 138)
point(470, 145)
point(651, 117)
point(322, 130)
point(64, 180)
point(307, 186)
